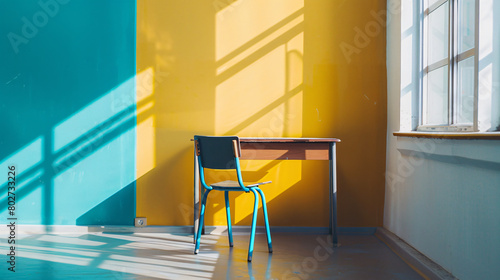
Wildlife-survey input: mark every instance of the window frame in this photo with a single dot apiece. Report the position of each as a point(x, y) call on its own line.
point(451, 62)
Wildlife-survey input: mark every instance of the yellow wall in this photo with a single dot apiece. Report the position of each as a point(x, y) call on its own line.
point(261, 68)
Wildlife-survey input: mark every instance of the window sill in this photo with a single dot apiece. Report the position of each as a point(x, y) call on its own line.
point(471, 151)
point(450, 135)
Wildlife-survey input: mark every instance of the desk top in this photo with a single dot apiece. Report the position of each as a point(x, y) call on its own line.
point(278, 148)
point(287, 140)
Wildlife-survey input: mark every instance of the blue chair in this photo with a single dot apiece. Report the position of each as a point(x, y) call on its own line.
point(223, 152)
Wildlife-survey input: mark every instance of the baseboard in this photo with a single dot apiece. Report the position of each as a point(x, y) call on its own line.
point(357, 230)
point(262, 229)
point(413, 257)
point(71, 229)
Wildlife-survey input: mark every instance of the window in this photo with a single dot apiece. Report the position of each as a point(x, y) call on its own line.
point(449, 100)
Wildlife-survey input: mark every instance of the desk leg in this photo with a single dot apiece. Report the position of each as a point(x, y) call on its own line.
point(196, 195)
point(333, 194)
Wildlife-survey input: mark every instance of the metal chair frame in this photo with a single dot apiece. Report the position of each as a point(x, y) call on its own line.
point(223, 152)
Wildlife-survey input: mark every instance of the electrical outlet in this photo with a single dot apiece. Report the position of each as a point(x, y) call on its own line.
point(141, 221)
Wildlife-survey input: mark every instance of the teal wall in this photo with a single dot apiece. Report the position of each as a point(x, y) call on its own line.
point(67, 114)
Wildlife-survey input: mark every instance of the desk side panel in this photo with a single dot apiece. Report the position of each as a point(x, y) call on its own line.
point(284, 151)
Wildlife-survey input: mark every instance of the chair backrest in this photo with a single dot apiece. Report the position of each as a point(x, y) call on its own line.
point(218, 152)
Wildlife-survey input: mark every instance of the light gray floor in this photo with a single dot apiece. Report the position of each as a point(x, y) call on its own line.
point(166, 256)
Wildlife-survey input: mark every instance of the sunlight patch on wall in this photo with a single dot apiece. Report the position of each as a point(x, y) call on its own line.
point(91, 148)
point(259, 91)
point(261, 103)
point(82, 178)
point(23, 159)
point(248, 91)
point(260, 69)
point(294, 61)
point(145, 84)
point(96, 116)
point(146, 148)
point(27, 161)
point(232, 28)
point(32, 204)
point(257, 44)
point(280, 184)
point(146, 126)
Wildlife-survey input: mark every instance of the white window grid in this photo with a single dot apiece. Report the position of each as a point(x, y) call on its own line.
point(454, 57)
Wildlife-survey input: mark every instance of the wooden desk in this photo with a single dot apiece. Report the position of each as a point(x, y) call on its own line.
point(285, 149)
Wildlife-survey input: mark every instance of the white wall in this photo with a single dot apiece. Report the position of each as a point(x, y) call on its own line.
point(442, 196)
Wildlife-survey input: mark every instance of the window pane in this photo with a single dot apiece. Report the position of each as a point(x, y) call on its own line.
point(466, 19)
point(437, 96)
point(438, 34)
point(464, 97)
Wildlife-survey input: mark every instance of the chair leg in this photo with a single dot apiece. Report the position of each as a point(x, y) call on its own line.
point(254, 223)
point(200, 225)
point(266, 220)
point(228, 215)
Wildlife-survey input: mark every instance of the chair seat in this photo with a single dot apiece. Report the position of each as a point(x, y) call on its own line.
point(235, 185)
